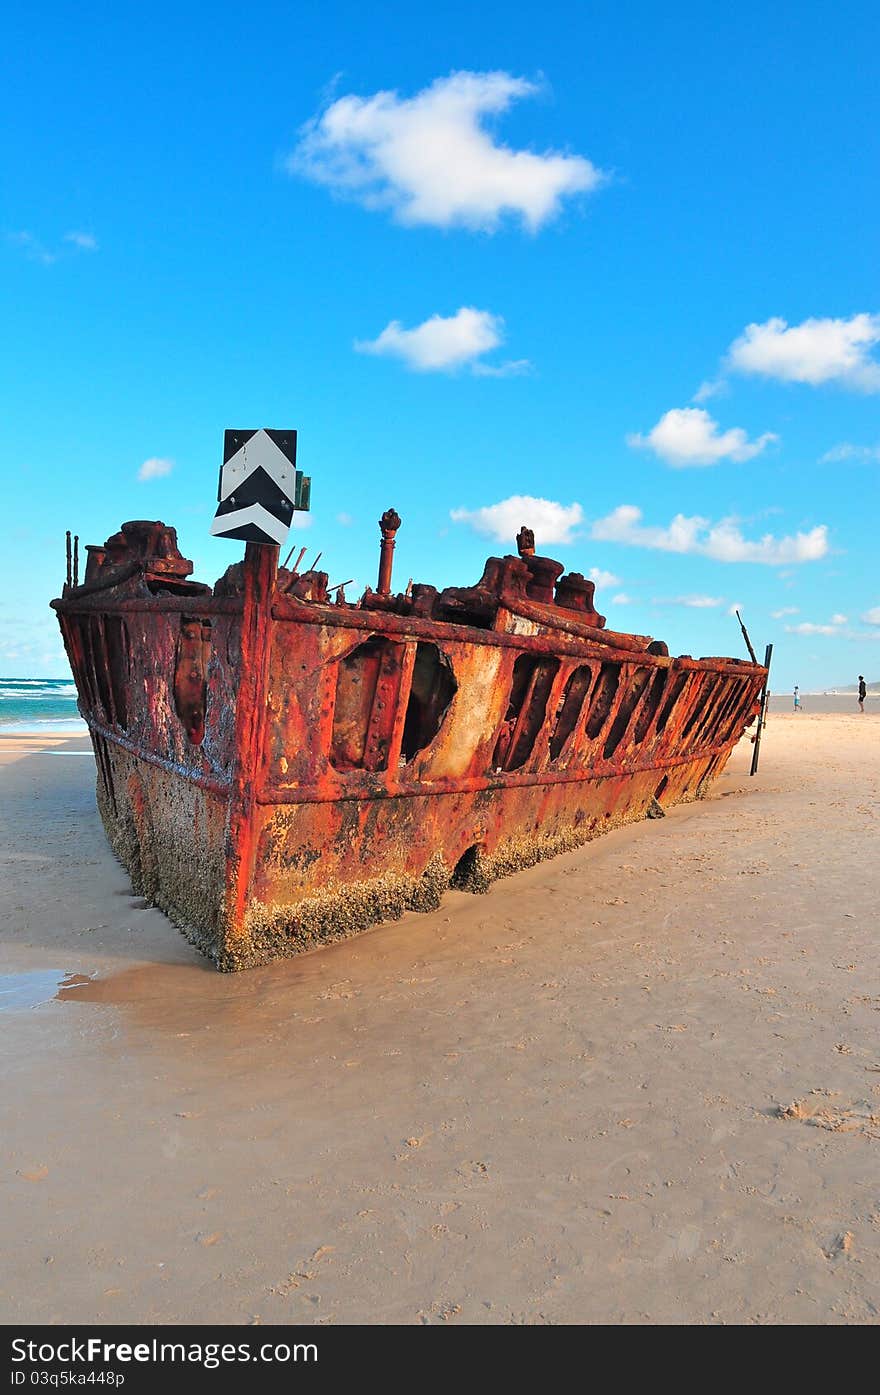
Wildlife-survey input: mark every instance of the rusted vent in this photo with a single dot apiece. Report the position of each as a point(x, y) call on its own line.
point(119, 665)
point(431, 691)
point(673, 693)
point(100, 657)
point(576, 689)
point(722, 728)
point(367, 691)
point(99, 662)
point(603, 697)
point(529, 690)
point(709, 696)
point(650, 704)
point(191, 675)
point(77, 632)
point(636, 685)
point(705, 728)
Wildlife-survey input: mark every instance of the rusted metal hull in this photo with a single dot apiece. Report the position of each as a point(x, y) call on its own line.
point(276, 772)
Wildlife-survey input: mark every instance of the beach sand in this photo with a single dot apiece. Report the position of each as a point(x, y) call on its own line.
point(638, 1083)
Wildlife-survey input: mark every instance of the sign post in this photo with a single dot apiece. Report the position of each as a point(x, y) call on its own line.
point(260, 486)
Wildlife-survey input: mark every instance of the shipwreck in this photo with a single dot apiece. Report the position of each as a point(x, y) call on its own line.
point(278, 768)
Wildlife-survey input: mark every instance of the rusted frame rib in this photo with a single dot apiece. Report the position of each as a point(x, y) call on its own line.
point(395, 740)
point(522, 717)
point(107, 691)
point(635, 676)
point(576, 743)
point(555, 702)
point(729, 704)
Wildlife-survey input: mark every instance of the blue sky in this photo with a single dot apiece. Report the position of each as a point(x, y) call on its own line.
point(617, 258)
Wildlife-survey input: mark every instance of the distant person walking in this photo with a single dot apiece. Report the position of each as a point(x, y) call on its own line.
point(863, 693)
point(797, 698)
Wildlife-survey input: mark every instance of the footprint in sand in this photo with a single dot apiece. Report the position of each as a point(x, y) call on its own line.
point(34, 1174)
point(840, 1246)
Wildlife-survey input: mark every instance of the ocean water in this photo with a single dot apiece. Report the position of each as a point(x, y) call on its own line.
point(39, 705)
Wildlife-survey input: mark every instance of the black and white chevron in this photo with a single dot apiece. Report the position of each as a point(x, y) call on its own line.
point(259, 486)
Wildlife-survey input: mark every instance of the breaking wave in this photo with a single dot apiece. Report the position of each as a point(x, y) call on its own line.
point(35, 702)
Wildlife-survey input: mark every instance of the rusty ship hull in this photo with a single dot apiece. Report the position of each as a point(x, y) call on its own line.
point(276, 771)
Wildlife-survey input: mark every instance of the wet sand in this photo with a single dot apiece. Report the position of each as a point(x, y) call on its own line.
point(639, 1083)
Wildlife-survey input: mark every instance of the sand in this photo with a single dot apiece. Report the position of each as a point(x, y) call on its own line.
point(637, 1084)
point(812, 703)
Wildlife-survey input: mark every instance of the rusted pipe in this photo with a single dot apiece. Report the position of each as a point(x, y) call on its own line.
point(76, 559)
point(389, 524)
point(69, 567)
point(525, 542)
point(302, 553)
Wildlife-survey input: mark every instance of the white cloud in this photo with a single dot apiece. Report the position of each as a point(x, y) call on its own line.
point(438, 343)
point(734, 607)
point(722, 541)
point(155, 467)
point(622, 599)
point(815, 351)
point(36, 251)
point(514, 368)
point(809, 628)
point(847, 451)
point(694, 602)
point(872, 617)
point(84, 242)
point(688, 436)
point(712, 388)
point(32, 247)
point(430, 158)
point(783, 611)
point(839, 619)
point(604, 580)
point(550, 522)
point(344, 519)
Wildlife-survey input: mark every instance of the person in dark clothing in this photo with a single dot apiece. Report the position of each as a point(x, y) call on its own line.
point(863, 693)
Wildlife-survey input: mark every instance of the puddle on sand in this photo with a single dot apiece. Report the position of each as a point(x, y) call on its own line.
point(18, 992)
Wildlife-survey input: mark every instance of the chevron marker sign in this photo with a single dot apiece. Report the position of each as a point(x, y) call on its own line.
point(260, 486)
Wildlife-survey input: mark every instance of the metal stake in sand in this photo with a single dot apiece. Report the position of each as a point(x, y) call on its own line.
point(762, 715)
